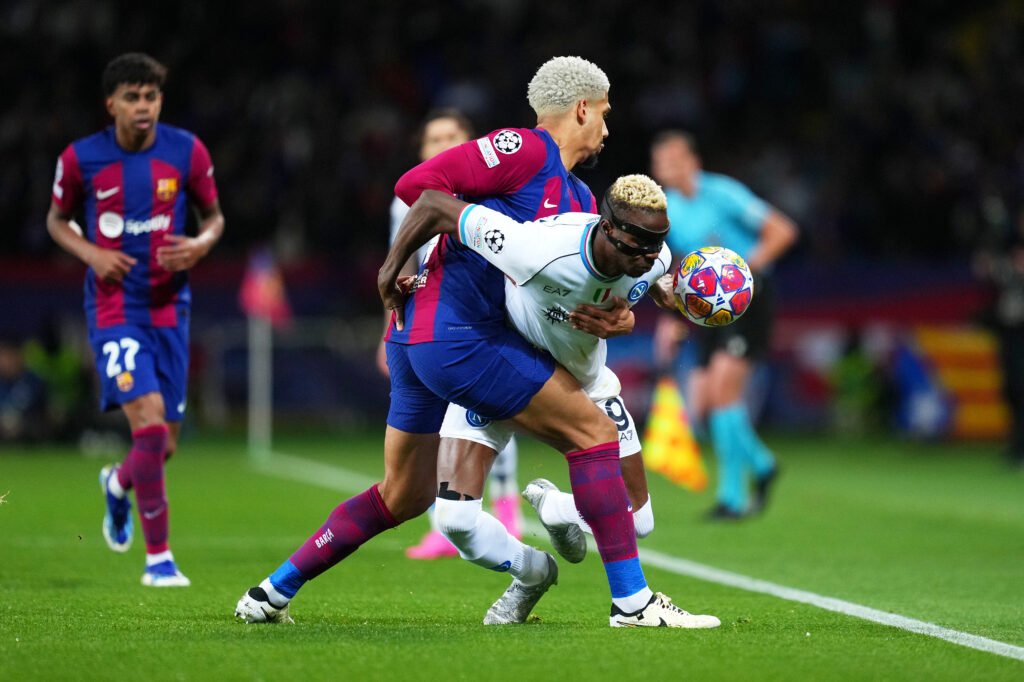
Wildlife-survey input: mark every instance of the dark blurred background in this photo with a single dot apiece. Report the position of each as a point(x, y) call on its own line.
point(888, 130)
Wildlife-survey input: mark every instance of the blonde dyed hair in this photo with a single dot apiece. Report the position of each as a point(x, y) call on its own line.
point(638, 192)
point(561, 82)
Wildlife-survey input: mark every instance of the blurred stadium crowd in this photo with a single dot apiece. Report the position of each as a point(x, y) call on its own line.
point(885, 128)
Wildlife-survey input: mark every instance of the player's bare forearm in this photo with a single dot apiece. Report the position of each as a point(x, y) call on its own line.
point(605, 324)
point(182, 253)
point(432, 214)
point(211, 227)
point(58, 224)
point(108, 264)
point(661, 292)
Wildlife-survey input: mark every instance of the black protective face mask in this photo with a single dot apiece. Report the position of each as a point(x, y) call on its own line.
point(648, 241)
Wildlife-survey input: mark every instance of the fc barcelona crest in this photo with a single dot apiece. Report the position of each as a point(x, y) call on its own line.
point(166, 188)
point(125, 382)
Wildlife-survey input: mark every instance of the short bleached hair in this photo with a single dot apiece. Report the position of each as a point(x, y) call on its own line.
point(638, 192)
point(561, 82)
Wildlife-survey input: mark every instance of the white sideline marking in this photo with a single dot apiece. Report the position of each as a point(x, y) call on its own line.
point(310, 471)
point(716, 575)
point(343, 480)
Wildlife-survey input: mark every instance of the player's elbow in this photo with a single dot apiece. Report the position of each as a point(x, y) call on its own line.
point(436, 211)
point(408, 189)
point(784, 231)
point(53, 221)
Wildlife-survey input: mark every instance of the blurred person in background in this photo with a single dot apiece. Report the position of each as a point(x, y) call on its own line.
point(1001, 263)
point(23, 397)
point(708, 209)
point(441, 130)
point(132, 182)
point(57, 361)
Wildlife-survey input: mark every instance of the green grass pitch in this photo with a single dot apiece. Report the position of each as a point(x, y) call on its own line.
point(934, 533)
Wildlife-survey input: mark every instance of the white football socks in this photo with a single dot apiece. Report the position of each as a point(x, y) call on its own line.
point(114, 486)
point(482, 540)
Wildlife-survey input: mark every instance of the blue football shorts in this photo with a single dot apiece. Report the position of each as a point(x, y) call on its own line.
point(132, 361)
point(495, 378)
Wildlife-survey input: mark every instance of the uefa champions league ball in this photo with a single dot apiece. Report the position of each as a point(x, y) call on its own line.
point(713, 286)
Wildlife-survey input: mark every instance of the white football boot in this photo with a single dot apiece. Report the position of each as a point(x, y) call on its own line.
point(255, 607)
point(164, 574)
point(515, 605)
point(569, 540)
point(660, 612)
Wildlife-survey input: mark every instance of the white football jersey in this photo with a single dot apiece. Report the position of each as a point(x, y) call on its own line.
point(550, 268)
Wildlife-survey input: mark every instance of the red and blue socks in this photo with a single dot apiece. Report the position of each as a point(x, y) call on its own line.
point(601, 499)
point(352, 523)
point(143, 470)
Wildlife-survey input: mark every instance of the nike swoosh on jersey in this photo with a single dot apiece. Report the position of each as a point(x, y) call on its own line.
point(547, 205)
point(106, 193)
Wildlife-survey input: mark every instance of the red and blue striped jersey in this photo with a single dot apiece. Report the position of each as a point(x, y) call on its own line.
point(515, 171)
point(131, 201)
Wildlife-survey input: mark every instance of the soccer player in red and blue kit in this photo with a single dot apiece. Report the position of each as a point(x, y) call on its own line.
point(525, 174)
point(133, 182)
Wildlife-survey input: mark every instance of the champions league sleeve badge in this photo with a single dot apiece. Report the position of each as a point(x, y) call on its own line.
point(508, 141)
point(495, 240)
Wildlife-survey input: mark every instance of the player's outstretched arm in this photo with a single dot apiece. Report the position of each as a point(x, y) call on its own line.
point(108, 264)
point(184, 252)
point(432, 214)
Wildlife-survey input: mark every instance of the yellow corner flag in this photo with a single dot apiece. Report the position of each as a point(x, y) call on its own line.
point(669, 446)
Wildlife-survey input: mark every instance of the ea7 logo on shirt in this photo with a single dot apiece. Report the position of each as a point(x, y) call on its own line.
point(638, 290)
point(495, 240)
point(508, 141)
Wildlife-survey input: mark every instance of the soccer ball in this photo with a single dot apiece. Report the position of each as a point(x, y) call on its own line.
point(713, 286)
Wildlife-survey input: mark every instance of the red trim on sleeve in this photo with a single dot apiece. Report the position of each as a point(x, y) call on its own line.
point(68, 186)
point(201, 185)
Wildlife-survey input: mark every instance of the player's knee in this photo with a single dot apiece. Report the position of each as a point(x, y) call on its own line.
point(605, 430)
point(457, 519)
point(403, 500)
point(643, 520)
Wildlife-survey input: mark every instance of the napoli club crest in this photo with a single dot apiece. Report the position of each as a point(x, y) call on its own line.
point(638, 290)
point(475, 420)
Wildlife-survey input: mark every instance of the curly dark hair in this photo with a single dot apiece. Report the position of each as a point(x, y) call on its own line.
point(133, 68)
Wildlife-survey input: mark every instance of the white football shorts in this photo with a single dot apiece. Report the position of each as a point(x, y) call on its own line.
point(461, 423)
